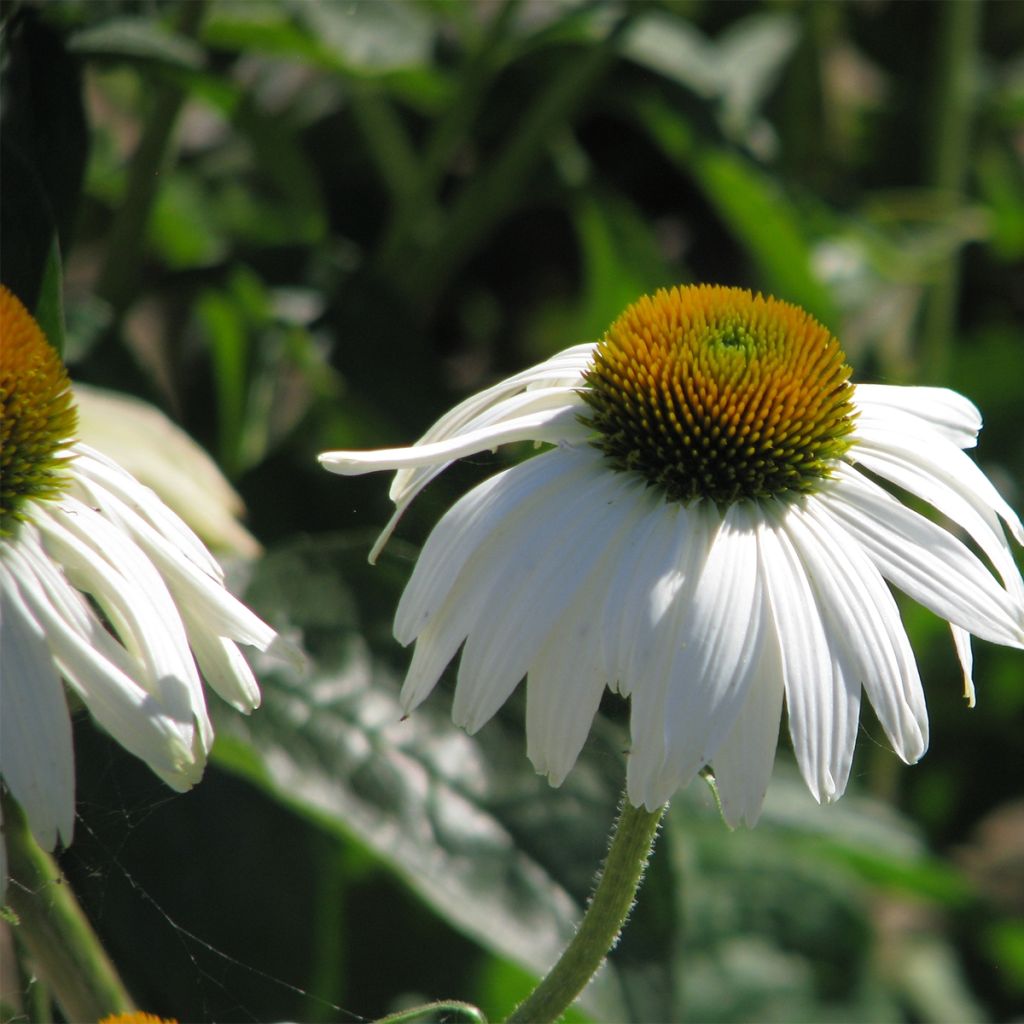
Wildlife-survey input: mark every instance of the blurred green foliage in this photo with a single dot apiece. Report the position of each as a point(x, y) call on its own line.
point(298, 226)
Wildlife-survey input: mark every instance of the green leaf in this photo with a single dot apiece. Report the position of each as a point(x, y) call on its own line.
point(49, 310)
point(137, 38)
point(452, 816)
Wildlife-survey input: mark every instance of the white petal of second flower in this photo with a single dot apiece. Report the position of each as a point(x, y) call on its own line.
point(36, 760)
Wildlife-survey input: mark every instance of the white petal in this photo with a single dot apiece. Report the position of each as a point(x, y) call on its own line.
point(568, 676)
point(962, 644)
point(93, 664)
point(472, 521)
point(224, 667)
point(714, 651)
point(670, 597)
point(864, 624)
point(101, 560)
point(548, 425)
point(822, 710)
point(744, 760)
point(925, 561)
point(214, 609)
point(36, 759)
point(947, 412)
point(497, 554)
point(564, 370)
point(557, 553)
point(947, 478)
point(632, 607)
point(102, 477)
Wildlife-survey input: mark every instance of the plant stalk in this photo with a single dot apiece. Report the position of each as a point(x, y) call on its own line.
point(953, 105)
point(630, 850)
point(65, 951)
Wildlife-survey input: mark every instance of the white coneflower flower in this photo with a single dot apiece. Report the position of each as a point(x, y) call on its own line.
point(707, 537)
point(101, 585)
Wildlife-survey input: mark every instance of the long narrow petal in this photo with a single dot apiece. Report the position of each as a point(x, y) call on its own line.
point(36, 759)
point(132, 595)
point(527, 596)
point(568, 676)
point(925, 561)
point(101, 477)
point(93, 664)
point(564, 370)
point(945, 411)
point(711, 670)
point(939, 472)
point(498, 554)
point(822, 711)
point(468, 524)
point(549, 425)
point(189, 583)
point(864, 623)
point(632, 608)
point(670, 598)
point(744, 760)
point(548, 402)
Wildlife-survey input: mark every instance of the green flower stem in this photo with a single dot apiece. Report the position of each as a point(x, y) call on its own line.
point(64, 950)
point(949, 149)
point(118, 280)
point(632, 841)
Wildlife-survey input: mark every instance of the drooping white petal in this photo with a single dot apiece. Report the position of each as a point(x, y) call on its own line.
point(568, 676)
point(744, 760)
point(925, 561)
point(223, 666)
point(426, 461)
point(962, 644)
point(492, 405)
point(558, 553)
point(497, 555)
point(103, 674)
point(670, 598)
point(638, 592)
point(214, 609)
point(864, 625)
point(821, 707)
point(101, 561)
point(548, 426)
point(945, 411)
point(472, 521)
point(100, 477)
point(36, 760)
point(714, 651)
point(939, 472)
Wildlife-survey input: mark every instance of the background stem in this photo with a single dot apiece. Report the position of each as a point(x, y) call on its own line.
point(65, 951)
point(955, 56)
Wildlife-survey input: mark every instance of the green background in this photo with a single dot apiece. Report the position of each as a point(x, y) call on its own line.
point(304, 226)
